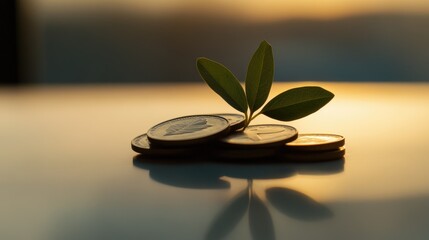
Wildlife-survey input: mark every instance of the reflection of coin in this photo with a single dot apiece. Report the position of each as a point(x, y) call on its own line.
point(264, 135)
point(313, 156)
point(316, 142)
point(244, 154)
point(188, 130)
point(236, 121)
point(141, 145)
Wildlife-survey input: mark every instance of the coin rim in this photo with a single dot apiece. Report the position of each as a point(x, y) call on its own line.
point(159, 152)
point(177, 143)
point(313, 156)
point(317, 147)
point(234, 127)
point(263, 145)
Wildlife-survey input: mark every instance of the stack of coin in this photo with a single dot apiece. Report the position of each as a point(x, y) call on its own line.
point(186, 136)
point(220, 137)
point(314, 147)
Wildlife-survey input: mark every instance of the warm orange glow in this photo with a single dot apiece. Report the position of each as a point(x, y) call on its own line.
point(384, 125)
point(377, 128)
point(254, 10)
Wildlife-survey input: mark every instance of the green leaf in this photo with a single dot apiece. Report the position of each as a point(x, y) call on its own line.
point(223, 82)
point(259, 77)
point(297, 103)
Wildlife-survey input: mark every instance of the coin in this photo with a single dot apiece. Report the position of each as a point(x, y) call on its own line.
point(188, 130)
point(236, 121)
point(313, 156)
point(316, 142)
point(264, 135)
point(142, 145)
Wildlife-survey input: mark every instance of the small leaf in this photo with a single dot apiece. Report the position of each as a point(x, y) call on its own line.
point(182, 128)
point(223, 82)
point(297, 103)
point(259, 77)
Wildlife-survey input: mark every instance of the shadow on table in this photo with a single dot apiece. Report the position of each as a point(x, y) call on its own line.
point(204, 174)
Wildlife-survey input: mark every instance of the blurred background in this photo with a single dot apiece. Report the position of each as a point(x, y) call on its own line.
point(154, 41)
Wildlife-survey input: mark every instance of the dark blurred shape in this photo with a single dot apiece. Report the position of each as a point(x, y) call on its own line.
point(201, 172)
point(297, 205)
point(29, 53)
point(320, 168)
point(9, 43)
point(229, 217)
point(260, 220)
point(182, 173)
point(116, 46)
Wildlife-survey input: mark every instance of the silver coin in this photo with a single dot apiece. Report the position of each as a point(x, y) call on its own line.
point(264, 135)
point(313, 156)
point(236, 121)
point(141, 145)
point(316, 142)
point(188, 130)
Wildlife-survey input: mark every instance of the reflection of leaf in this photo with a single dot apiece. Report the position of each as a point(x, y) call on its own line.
point(297, 103)
point(191, 127)
point(229, 217)
point(297, 205)
point(260, 221)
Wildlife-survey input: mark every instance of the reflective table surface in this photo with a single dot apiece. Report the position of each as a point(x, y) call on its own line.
point(67, 170)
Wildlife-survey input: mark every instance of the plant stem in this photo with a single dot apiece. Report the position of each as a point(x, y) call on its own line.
point(247, 121)
point(251, 118)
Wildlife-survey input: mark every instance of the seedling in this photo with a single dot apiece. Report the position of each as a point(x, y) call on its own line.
point(289, 105)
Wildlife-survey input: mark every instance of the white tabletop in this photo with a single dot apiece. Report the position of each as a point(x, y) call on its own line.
point(67, 170)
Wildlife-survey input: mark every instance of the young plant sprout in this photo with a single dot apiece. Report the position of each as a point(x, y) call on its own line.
point(287, 106)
